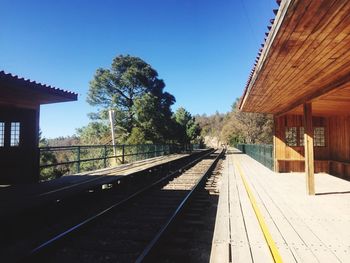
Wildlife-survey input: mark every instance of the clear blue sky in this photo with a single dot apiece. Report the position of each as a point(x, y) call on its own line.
point(203, 49)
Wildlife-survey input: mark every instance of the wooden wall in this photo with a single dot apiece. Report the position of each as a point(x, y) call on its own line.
point(20, 164)
point(339, 136)
point(291, 159)
point(334, 158)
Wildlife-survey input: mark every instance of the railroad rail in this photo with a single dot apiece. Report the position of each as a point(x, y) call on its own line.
point(129, 229)
point(188, 237)
point(17, 200)
point(48, 210)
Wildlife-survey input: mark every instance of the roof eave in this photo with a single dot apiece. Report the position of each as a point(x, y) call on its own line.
point(263, 54)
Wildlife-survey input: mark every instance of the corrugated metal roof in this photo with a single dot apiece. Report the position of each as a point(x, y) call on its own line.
point(17, 81)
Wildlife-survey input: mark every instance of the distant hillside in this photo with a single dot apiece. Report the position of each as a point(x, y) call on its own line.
point(211, 128)
point(63, 141)
point(235, 127)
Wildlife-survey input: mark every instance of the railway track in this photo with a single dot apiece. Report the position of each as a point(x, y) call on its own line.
point(22, 232)
point(130, 229)
point(189, 239)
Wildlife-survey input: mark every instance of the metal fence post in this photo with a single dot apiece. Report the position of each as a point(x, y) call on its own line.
point(105, 156)
point(78, 159)
point(123, 153)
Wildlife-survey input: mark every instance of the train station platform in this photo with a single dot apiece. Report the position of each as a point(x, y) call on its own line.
point(18, 198)
point(268, 217)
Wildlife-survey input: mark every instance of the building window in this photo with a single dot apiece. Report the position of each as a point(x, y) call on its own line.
point(15, 134)
point(301, 136)
point(2, 134)
point(319, 136)
point(291, 136)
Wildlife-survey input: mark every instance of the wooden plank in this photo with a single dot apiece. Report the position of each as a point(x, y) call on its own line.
point(287, 239)
point(221, 238)
point(259, 248)
point(240, 243)
point(306, 215)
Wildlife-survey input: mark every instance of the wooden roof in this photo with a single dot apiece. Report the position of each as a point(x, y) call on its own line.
point(15, 91)
point(306, 58)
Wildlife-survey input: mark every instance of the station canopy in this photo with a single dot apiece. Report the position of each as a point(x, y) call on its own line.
point(306, 58)
point(20, 92)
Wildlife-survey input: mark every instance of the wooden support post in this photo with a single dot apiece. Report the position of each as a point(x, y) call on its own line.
point(309, 148)
point(275, 163)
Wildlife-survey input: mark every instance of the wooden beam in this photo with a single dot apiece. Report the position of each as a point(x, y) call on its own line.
point(309, 148)
point(339, 84)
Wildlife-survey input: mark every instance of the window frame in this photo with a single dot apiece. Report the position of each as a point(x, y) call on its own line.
point(299, 136)
point(317, 136)
point(293, 135)
point(2, 134)
point(15, 134)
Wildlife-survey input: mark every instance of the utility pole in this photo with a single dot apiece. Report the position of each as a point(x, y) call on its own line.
point(111, 120)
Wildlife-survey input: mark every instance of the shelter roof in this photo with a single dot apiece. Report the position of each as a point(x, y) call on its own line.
point(26, 93)
point(306, 58)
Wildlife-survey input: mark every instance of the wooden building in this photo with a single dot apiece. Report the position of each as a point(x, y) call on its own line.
point(20, 102)
point(302, 77)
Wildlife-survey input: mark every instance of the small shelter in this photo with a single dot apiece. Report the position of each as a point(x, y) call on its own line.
point(20, 101)
point(302, 77)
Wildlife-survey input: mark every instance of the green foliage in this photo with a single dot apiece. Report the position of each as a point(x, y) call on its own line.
point(137, 136)
point(132, 88)
point(153, 117)
point(47, 157)
point(187, 128)
point(96, 132)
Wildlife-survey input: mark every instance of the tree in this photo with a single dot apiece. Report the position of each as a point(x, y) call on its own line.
point(187, 128)
point(132, 88)
point(153, 117)
point(245, 127)
point(96, 132)
point(236, 127)
point(48, 157)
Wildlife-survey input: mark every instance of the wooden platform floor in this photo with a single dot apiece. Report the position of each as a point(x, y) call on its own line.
point(304, 228)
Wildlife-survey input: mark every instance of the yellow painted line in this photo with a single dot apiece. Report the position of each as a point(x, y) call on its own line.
point(271, 243)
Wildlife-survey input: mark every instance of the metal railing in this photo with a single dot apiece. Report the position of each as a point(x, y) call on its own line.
point(263, 153)
point(61, 160)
